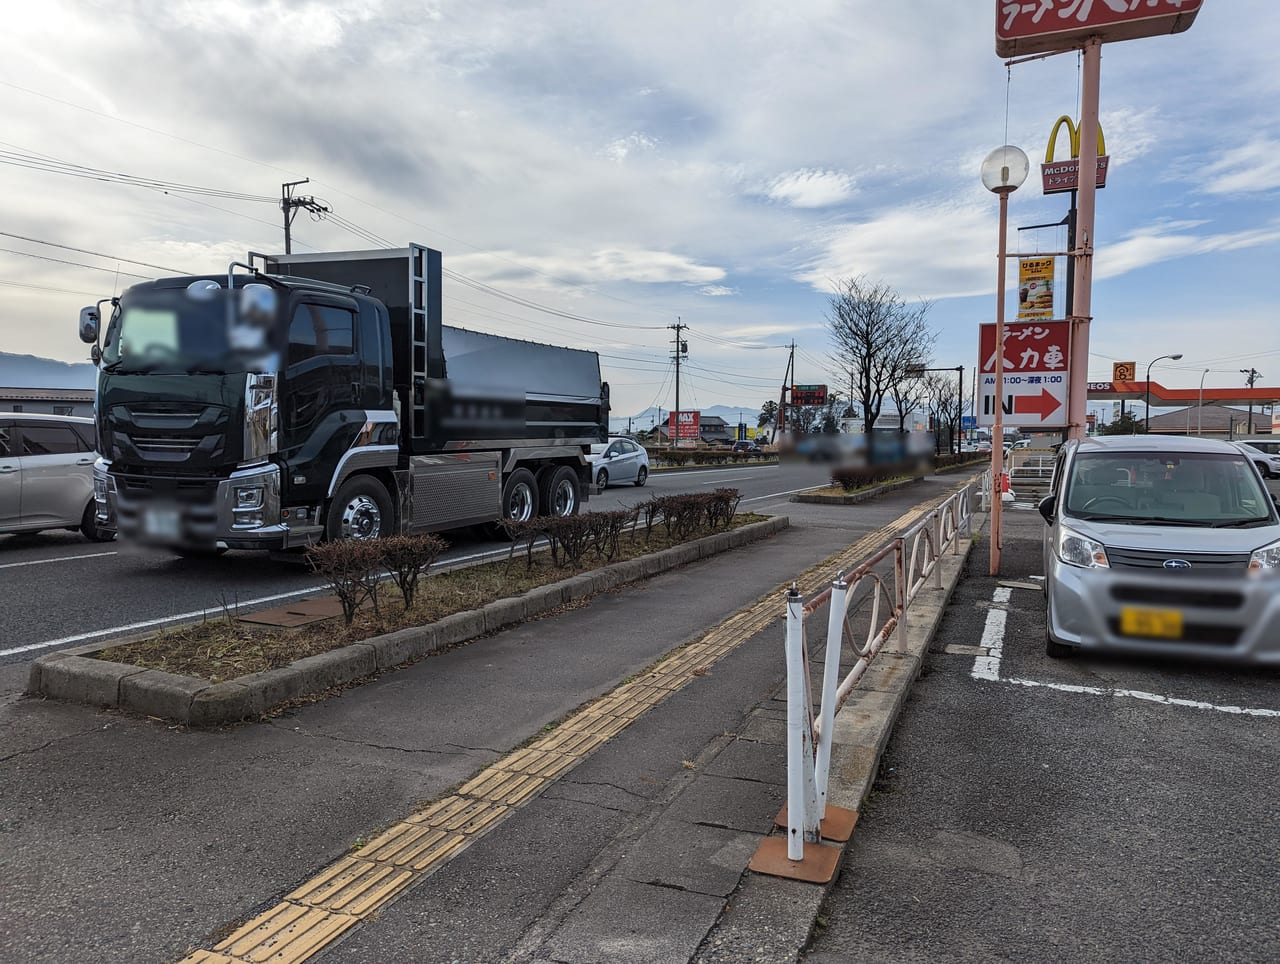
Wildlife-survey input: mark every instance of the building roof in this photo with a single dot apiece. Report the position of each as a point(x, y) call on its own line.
point(47, 394)
point(1216, 419)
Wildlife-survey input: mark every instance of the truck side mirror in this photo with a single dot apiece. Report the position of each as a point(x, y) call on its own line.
point(90, 319)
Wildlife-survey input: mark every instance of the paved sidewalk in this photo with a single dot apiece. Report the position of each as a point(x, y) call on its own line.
point(130, 840)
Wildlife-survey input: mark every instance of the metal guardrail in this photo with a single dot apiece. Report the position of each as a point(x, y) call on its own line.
point(917, 562)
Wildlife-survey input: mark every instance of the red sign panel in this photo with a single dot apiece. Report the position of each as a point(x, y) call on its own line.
point(685, 425)
point(1062, 176)
point(1036, 355)
point(1037, 26)
point(808, 394)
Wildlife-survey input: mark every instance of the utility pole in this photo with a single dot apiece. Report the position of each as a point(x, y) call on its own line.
point(680, 348)
point(786, 386)
point(1253, 375)
point(289, 206)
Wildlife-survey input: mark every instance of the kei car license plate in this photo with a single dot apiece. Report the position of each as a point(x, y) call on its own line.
point(1152, 623)
point(160, 523)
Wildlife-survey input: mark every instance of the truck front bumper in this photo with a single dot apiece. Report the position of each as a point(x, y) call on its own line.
point(239, 512)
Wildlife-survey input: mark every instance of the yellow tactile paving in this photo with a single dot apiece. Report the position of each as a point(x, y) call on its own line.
point(352, 886)
point(357, 885)
point(286, 933)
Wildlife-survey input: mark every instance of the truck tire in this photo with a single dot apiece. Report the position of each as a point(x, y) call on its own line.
point(89, 525)
point(561, 493)
point(361, 510)
point(519, 496)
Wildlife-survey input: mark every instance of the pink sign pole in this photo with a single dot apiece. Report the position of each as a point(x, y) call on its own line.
point(1078, 391)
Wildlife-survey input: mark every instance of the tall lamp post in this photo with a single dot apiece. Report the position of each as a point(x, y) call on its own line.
point(1003, 172)
point(1153, 361)
point(1200, 406)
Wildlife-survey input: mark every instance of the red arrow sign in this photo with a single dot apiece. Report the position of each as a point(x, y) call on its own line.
point(1044, 404)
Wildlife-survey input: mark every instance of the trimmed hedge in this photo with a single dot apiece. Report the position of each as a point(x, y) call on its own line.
point(678, 457)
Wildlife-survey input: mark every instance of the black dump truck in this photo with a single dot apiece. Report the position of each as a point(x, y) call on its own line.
point(299, 398)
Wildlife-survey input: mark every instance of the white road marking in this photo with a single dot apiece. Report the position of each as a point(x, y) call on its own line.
point(987, 667)
point(196, 614)
point(41, 562)
point(774, 495)
point(149, 623)
point(1147, 697)
point(734, 478)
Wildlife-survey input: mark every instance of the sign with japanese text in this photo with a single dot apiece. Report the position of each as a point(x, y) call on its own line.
point(1059, 177)
point(685, 425)
point(1035, 288)
point(1124, 371)
point(808, 394)
point(1038, 26)
point(1036, 361)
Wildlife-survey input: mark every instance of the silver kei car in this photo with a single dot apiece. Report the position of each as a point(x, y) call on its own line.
point(1161, 545)
point(46, 475)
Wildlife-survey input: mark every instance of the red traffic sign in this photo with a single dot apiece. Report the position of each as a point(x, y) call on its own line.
point(1038, 26)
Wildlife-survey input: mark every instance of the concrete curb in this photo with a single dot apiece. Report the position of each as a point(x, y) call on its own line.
point(769, 918)
point(963, 466)
point(74, 675)
point(853, 498)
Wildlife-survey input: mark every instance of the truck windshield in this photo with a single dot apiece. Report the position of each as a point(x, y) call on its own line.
point(169, 331)
point(1205, 490)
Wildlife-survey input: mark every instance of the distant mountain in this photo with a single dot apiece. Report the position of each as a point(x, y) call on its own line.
point(649, 417)
point(32, 371)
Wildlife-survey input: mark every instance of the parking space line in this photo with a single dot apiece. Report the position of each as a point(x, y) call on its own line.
point(987, 667)
point(41, 562)
point(1146, 697)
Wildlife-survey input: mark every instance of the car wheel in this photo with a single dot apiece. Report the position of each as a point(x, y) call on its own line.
point(642, 476)
point(89, 525)
point(561, 494)
point(602, 479)
point(360, 510)
point(519, 496)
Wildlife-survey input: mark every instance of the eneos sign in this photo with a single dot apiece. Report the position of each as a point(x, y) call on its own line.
point(1037, 26)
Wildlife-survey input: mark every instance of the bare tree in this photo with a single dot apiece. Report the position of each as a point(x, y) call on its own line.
point(877, 337)
point(944, 400)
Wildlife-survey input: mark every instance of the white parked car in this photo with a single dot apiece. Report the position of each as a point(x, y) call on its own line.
point(46, 475)
point(1268, 463)
point(621, 460)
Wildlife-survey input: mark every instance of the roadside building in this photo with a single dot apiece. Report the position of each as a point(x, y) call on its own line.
point(47, 401)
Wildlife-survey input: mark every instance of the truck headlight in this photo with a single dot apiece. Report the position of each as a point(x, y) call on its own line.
point(249, 496)
point(1076, 550)
point(1265, 559)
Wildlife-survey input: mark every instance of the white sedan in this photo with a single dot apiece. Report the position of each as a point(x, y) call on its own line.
point(621, 460)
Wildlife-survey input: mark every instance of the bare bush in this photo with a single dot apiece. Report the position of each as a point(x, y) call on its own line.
point(409, 558)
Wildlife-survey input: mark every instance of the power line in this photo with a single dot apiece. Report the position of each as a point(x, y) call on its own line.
point(96, 254)
point(65, 291)
point(75, 264)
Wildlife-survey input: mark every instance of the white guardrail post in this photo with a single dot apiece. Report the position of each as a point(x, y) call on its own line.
point(802, 796)
point(836, 613)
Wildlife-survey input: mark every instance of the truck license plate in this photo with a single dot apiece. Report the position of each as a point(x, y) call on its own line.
point(160, 523)
point(1152, 623)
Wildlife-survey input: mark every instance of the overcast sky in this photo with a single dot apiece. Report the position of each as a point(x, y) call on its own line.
point(634, 163)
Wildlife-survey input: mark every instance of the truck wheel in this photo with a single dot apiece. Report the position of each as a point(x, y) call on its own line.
point(360, 510)
point(89, 525)
point(642, 476)
point(560, 491)
point(602, 479)
point(519, 496)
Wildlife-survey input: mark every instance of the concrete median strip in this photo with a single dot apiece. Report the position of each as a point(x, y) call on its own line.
point(74, 675)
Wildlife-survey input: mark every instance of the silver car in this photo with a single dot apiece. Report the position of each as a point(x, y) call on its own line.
point(621, 460)
point(46, 475)
point(1268, 463)
point(1161, 545)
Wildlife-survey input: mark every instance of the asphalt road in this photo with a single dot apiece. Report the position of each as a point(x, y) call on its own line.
point(1064, 810)
point(62, 591)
